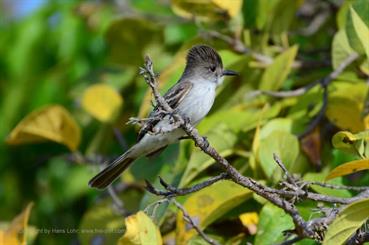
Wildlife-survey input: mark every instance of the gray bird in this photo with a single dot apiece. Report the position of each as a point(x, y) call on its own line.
point(192, 97)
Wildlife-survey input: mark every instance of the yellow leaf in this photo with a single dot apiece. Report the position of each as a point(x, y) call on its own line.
point(348, 168)
point(209, 204)
point(207, 9)
point(233, 7)
point(102, 102)
point(52, 122)
point(250, 220)
point(345, 113)
point(15, 234)
point(140, 231)
point(343, 140)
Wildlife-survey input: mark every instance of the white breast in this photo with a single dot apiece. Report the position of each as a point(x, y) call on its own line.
point(199, 101)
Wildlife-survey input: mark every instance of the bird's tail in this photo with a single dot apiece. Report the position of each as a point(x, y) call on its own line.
point(111, 172)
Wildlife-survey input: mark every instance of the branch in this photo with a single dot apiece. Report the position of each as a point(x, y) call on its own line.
point(313, 229)
point(325, 81)
point(193, 224)
point(172, 191)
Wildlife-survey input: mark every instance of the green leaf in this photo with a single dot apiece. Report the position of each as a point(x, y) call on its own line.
point(222, 139)
point(277, 72)
point(127, 39)
point(362, 30)
point(272, 222)
point(357, 22)
point(326, 191)
point(282, 143)
point(209, 204)
point(351, 218)
point(340, 48)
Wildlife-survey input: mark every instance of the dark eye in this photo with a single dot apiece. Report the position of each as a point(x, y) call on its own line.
point(212, 68)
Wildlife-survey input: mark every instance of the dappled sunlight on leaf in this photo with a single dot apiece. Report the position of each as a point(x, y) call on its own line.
point(52, 122)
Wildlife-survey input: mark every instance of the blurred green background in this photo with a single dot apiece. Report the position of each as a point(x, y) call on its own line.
point(52, 52)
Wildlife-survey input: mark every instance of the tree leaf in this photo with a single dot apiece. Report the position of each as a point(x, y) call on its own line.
point(356, 23)
point(125, 39)
point(345, 113)
point(272, 222)
point(102, 102)
point(351, 218)
point(326, 191)
point(362, 30)
point(52, 122)
point(340, 48)
point(16, 233)
point(349, 168)
point(282, 143)
point(277, 72)
point(140, 231)
point(209, 204)
point(222, 139)
point(250, 220)
point(206, 9)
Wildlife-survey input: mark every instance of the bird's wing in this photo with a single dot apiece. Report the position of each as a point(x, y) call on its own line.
point(173, 97)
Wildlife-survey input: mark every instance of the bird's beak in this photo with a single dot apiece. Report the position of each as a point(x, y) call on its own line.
point(229, 73)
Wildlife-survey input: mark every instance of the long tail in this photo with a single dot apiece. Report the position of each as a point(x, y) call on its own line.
point(111, 172)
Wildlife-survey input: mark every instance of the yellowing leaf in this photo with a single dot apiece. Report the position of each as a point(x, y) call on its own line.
point(102, 102)
point(15, 234)
point(250, 221)
point(141, 230)
point(232, 7)
point(345, 113)
point(277, 72)
point(343, 139)
point(207, 9)
point(349, 168)
point(209, 204)
point(53, 123)
point(351, 218)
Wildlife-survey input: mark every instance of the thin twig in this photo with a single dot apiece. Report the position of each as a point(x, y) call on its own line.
point(193, 224)
point(338, 187)
point(118, 204)
point(172, 191)
point(300, 91)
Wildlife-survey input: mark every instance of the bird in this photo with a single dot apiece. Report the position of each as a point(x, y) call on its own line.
point(191, 97)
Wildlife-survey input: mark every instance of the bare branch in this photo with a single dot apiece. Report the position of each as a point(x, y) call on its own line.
point(193, 224)
point(313, 229)
point(172, 191)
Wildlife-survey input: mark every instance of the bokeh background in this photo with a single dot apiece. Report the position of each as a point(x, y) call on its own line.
point(69, 70)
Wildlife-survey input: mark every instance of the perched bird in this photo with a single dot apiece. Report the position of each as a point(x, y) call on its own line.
point(191, 97)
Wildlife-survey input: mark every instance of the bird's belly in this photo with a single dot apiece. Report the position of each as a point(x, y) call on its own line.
point(197, 104)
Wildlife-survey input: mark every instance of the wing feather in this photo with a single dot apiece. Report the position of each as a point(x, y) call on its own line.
point(174, 97)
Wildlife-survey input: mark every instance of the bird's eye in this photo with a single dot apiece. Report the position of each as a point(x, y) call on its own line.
point(212, 68)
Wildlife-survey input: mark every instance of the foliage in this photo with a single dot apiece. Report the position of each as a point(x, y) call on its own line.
point(70, 81)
